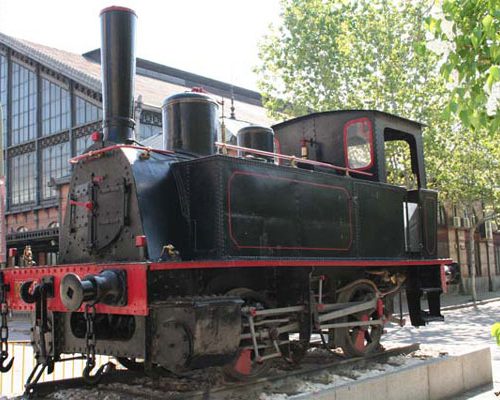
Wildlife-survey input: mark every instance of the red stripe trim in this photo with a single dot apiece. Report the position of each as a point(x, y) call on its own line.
point(293, 263)
point(230, 225)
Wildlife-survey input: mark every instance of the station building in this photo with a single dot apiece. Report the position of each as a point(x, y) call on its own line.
point(454, 225)
point(52, 104)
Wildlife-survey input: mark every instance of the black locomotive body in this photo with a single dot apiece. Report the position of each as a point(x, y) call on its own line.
point(188, 257)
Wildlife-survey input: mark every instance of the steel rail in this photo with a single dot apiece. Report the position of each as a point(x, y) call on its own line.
point(264, 383)
point(121, 382)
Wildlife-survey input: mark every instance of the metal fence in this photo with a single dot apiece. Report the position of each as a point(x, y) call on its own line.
point(12, 382)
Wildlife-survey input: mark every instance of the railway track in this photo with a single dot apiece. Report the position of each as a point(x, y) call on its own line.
point(210, 383)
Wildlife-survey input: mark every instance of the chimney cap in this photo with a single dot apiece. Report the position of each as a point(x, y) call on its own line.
point(117, 8)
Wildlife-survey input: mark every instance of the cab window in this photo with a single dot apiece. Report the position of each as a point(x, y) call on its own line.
point(358, 142)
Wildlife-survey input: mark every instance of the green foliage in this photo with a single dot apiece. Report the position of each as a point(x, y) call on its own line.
point(472, 52)
point(349, 54)
point(495, 332)
point(375, 54)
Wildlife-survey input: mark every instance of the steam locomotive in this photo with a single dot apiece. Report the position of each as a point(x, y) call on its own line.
point(207, 253)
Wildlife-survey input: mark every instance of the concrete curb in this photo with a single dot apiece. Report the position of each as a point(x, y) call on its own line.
point(430, 380)
point(470, 304)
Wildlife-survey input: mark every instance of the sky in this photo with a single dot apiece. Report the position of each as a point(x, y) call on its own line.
point(217, 39)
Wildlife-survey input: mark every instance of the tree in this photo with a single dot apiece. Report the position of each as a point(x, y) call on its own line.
point(495, 332)
point(470, 33)
point(359, 54)
point(355, 54)
point(342, 54)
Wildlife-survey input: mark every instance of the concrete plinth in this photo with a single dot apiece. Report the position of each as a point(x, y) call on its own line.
point(430, 380)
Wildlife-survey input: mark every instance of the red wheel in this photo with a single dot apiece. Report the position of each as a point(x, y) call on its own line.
point(360, 340)
point(245, 366)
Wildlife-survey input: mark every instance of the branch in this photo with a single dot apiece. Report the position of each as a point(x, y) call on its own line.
point(483, 220)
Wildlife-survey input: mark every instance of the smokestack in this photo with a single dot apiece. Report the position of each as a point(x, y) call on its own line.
point(118, 73)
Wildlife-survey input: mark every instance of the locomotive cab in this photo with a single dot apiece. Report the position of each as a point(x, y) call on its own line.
point(353, 139)
point(374, 146)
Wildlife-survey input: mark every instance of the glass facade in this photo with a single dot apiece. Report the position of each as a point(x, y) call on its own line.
point(33, 115)
point(86, 112)
point(23, 178)
point(56, 108)
point(47, 124)
point(148, 130)
point(54, 165)
point(82, 143)
point(3, 94)
point(24, 104)
point(150, 124)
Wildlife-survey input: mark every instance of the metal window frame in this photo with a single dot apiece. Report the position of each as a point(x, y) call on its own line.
point(56, 167)
point(62, 87)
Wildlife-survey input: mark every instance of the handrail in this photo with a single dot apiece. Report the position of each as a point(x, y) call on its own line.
point(292, 159)
point(93, 153)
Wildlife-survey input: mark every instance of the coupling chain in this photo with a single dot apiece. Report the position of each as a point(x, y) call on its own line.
point(90, 340)
point(4, 331)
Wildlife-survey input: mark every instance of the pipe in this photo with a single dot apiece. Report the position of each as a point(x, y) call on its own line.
point(118, 73)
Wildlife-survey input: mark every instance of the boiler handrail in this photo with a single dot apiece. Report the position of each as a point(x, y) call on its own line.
point(93, 153)
point(292, 159)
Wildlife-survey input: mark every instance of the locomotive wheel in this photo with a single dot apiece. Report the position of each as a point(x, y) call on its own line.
point(360, 340)
point(244, 367)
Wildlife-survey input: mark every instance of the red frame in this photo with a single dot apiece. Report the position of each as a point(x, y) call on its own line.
point(300, 263)
point(137, 275)
point(372, 153)
point(137, 293)
point(230, 227)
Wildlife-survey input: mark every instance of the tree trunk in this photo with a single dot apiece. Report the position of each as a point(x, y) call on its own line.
point(471, 260)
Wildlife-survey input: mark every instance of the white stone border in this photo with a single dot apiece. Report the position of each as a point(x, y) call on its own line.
point(430, 380)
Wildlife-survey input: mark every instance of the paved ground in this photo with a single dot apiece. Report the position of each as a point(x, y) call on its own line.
point(19, 328)
point(464, 329)
point(450, 300)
